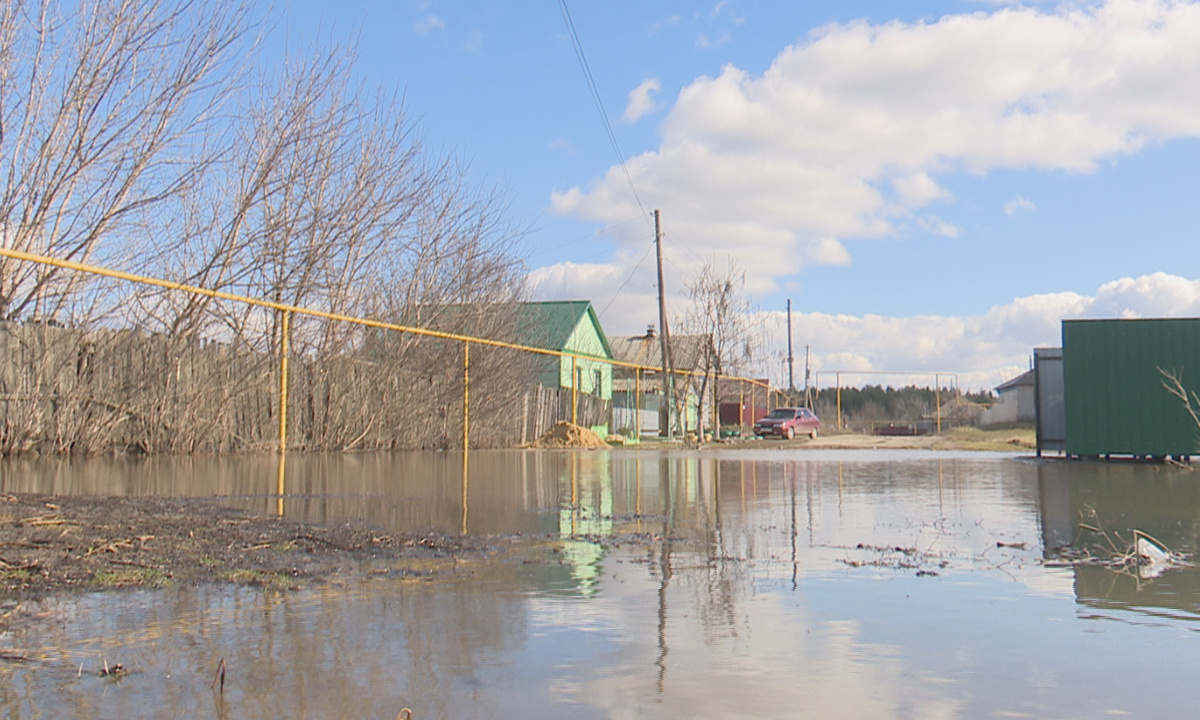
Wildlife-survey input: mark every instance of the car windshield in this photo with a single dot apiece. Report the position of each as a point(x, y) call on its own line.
point(782, 414)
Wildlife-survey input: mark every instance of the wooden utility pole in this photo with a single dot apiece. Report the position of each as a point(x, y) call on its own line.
point(664, 341)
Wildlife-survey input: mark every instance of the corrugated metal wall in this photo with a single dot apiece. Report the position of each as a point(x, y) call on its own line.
point(1116, 403)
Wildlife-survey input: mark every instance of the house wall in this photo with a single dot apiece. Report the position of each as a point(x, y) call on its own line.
point(1013, 405)
point(593, 377)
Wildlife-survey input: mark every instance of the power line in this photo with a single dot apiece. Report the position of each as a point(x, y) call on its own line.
point(631, 274)
point(591, 82)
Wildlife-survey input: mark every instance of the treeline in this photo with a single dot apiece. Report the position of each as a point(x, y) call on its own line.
point(153, 136)
point(864, 406)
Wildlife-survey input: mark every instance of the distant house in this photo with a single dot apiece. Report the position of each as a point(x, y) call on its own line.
point(1015, 402)
point(571, 326)
point(635, 415)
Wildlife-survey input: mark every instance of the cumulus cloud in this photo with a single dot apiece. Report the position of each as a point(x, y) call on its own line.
point(984, 350)
point(844, 135)
point(641, 101)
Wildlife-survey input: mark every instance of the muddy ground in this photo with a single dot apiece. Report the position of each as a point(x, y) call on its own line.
point(53, 544)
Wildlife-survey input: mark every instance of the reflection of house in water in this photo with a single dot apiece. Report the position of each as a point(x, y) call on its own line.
point(601, 495)
point(1117, 498)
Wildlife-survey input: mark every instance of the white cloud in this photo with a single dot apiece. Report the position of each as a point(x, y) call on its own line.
point(984, 350)
point(1157, 295)
point(1017, 206)
point(429, 23)
point(844, 135)
point(937, 226)
point(918, 189)
point(641, 101)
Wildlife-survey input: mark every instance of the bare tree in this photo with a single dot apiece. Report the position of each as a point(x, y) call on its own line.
point(127, 133)
point(718, 312)
point(102, 109)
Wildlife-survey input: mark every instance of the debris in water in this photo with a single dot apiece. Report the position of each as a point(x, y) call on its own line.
point(1145, 558)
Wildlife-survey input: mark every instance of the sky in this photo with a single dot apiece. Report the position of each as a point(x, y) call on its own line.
point(934, 185)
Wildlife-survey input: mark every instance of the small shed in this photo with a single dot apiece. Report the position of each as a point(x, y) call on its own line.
point(1014, 402)
point(1116, 396)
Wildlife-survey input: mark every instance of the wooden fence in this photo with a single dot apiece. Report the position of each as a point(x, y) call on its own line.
point(64, 390)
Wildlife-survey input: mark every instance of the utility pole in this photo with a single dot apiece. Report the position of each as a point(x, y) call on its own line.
point(791, 360)
point(664, 343)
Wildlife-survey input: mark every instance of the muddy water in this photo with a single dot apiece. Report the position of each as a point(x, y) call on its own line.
point(748, 584)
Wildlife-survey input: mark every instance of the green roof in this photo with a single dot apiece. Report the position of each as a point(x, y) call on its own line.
point(549, 325)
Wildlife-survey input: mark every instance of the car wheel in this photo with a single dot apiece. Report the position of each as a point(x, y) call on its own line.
point(812, 434)
point(789, 433)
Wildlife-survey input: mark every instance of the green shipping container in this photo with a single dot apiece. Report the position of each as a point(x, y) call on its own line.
point(1116, 400)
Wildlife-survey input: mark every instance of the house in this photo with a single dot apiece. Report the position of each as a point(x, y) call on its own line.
point(638, 408)
point(1014, 403)
point(583, 377)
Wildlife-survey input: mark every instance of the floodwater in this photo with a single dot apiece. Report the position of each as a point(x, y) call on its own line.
point(787, 584)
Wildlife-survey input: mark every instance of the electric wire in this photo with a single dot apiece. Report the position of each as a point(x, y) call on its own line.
point(591, 83)
point(631, 274)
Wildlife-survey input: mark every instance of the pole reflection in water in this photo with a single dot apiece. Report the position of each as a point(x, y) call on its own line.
point(280, 485)
point(466, 475)
point(664, 570)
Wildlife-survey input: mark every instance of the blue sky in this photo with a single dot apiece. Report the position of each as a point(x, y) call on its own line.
point(933, 184)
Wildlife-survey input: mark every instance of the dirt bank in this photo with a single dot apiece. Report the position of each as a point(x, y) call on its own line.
point(51, 544)
point(565, 435)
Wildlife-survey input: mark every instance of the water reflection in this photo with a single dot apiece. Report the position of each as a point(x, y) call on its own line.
point(1116, 498)
point(688, 584)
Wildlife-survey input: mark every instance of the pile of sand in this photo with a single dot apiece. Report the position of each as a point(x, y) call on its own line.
point(567, 435)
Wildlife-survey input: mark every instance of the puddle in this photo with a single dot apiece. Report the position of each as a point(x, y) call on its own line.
point(754, 584)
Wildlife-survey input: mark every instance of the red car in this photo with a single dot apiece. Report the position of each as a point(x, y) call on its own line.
point(788, 423)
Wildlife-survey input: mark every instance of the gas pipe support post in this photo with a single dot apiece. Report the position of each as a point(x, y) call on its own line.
point(284, 351)
point(937, 398)
point(466, 396)
point(574, 393)
point(637, 404)
point(838, 377)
